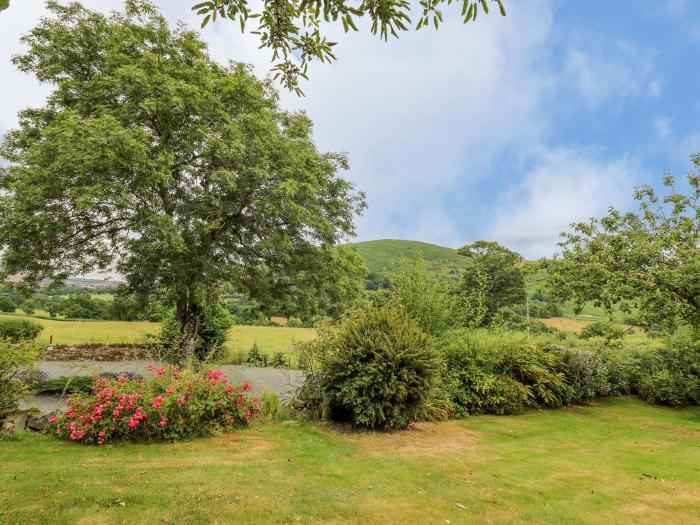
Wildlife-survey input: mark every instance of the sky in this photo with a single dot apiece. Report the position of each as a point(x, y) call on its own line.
point(507, 129)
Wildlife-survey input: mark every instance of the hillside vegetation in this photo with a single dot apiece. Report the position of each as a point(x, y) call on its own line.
point(384, 256)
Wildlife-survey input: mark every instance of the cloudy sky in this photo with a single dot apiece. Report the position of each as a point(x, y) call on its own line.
point(508, 129)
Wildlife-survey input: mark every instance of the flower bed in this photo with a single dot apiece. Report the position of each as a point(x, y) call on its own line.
point(173, 404)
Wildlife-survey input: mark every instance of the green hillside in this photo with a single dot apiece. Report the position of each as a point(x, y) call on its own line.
point(384, 256)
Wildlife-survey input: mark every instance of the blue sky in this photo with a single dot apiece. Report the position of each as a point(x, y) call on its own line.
point(508, 129)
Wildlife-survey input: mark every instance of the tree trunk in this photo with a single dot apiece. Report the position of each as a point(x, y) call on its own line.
point(188, 321)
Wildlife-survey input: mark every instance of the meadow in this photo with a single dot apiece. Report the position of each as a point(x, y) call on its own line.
point(620, 461)
point(269, 338)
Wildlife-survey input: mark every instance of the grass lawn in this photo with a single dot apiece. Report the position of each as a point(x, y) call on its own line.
point(270, 339)
point(620, 462)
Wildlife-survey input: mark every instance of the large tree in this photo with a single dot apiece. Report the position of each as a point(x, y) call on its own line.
point(494, 275)
point(648, 260)
point(291, 29)
point(152, 160)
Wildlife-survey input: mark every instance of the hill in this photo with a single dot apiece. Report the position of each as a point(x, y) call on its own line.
point(383, 257)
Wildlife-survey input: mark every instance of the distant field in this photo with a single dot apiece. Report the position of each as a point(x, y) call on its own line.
point(269, 339)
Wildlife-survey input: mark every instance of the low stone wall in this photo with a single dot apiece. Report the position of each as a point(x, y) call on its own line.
point(97, 352)
point(32, 419)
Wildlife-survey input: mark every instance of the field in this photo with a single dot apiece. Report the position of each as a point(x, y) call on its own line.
point(269, 339)
point(620, 462)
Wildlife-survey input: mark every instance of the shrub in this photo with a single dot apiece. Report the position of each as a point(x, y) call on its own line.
point(585, 371)
point(377, 369)
point(256, 357)
point(7, 304)
point(15, 364)
point(279, 360)
point(601, 329)
point(19, 329)
point(212, 331)
point(63, 385)
point(174, 404)
point(668, 374)
point(272, 408)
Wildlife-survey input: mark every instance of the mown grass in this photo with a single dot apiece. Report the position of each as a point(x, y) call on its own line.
point(269, 338)
point(620, 462)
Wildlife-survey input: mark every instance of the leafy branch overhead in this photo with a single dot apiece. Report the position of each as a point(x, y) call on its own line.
point(292, 28)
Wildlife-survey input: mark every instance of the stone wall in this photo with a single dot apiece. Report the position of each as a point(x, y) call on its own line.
point(32, 419)
point(97, 352)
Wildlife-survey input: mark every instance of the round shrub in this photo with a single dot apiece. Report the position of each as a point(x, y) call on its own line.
point(19, 329)
point(601, 329)
point(585, 371)
point(174, 404)
point(377, 371)
point(15, 366)
point(7, 304)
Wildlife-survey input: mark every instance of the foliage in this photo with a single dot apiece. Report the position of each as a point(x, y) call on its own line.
point(586, 372)
point(174, 404)
point(15, 362)
point(212, 331)
point(256, 357)
point(272, 408)
point(376, 369)
point(63, 385)
point(152, 160)
point(668, 374)
point(292, 29)
point(426, 296)
point(495, 278)
point(647, 259)
point(7, 304)
point(601, 329)
point(19, 329)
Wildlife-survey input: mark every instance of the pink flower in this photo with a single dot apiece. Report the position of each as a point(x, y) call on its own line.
point(246, 386)
point(160, 371)
point(149, 368)
point(52, 420)
point(181, 400)
point(157, 401)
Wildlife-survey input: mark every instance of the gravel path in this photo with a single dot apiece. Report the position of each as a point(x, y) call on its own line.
point(281, 381)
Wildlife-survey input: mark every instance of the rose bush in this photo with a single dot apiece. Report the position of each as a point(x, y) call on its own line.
point(174, 404)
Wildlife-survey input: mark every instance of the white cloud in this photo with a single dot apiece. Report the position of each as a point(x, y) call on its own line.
point(662, 125)
point(604, 71)
point(564, 186)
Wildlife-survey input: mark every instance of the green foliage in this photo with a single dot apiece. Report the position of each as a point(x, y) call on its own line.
point(647, 260)
point(493, 279)
point(668, 374)
point(271, 407)
point(376, 369)
point(426, 296)
point(7, 304)
point(152, 160)
point(256, 357)
point(292, 30)
point(15, 359)
point(17, 330)
point(213, 328)
point(586, 372)
point(601, 329)
point(63, 385)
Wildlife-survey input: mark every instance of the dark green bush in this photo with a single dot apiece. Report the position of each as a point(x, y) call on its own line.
point(376, 369)
point(7, 304)
point(601, 329)
point(64, 384)
point(256, 357)
point(19, 329)
point(668, 374)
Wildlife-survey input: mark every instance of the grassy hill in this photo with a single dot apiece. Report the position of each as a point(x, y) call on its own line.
point(384, 256)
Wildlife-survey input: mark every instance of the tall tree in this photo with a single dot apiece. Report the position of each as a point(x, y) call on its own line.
point(648, 260)
point(152, 160)
point(495, 275)
point(291, 29)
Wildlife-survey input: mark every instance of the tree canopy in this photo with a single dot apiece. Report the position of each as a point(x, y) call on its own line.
point(152, 160)
point(649, 259)
point(291, 29)
point(495, 276)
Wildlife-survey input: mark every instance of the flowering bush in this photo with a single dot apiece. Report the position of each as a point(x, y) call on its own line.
point(173, 404)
